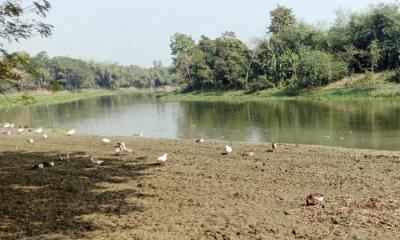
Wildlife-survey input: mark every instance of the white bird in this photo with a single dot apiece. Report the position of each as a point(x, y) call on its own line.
point(105, 140)
point(64, 158)
point(98, 162)
point(39, 130)
point(30, 140)
point(44, 136)
point(274, 145)
point(163, 158)
point(12, 125)
point(227, 149)
point(6, 125)
point(71, 132)
point(118, 150)
point(38, 165)
point(121, 147)
point(20, 130)
point(139, 135)
point(201, 140)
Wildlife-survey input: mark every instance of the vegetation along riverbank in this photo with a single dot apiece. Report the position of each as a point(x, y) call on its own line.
point(357, 87)
point(32, 98)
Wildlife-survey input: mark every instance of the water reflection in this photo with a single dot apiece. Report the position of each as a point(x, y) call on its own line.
point(365, 124)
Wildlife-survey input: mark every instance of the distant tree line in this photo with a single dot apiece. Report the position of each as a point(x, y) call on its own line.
point(294, 53)
point(65, 73)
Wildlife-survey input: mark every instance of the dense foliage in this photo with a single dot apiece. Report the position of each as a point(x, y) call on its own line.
point(18, 21)
point(293, 53)
point(69, 73)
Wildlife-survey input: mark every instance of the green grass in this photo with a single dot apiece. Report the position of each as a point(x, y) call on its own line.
point(47, 98)
point(364, 89)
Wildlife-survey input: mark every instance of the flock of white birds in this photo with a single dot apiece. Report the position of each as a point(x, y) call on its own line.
point(120, 147)
point(8, 129)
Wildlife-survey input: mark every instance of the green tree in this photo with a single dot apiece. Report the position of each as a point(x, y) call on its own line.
point(281, 17)
point(19, 22)
point(375, 54)
point(182, 49)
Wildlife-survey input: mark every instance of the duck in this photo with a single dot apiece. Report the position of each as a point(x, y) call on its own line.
point(66, 157)
point(30, 140)
point(200, 140)
point(98, 162)
point(48, 164)
point(38, 165)
point(314, 199)
point(163, 158)
point(121, 147)
point(274, 145)
point(227, 149)
point(71, 132)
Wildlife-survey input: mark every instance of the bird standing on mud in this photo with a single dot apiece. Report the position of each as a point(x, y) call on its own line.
point(163, 158)
point(274, 146)
point(227, 150)
point(71, 132)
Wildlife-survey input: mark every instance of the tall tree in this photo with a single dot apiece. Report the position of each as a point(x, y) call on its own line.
point(281, 17)
point(182, 49)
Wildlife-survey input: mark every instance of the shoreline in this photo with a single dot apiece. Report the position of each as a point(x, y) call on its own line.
point(38, 98)
point(198, 193)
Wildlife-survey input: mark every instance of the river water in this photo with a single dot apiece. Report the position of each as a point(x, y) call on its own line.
point(356, 124)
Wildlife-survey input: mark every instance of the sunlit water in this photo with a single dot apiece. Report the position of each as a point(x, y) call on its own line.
point(364, 124)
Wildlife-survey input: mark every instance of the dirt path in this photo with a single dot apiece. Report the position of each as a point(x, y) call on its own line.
point(198, 194)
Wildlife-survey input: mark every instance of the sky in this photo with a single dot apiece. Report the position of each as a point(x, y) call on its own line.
point(138, 32)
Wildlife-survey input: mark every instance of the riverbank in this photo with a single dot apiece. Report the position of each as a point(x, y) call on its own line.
point(32, 98)
point(357, 87)
point(198, 194)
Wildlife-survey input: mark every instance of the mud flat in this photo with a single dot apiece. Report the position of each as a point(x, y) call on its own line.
point(198, 194)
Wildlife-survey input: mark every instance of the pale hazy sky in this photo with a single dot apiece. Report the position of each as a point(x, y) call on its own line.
point(138, 32)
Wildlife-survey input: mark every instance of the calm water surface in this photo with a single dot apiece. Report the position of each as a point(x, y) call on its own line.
point(365, 124)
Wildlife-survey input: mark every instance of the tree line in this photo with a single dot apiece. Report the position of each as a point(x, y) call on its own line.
point(65, 73)
point(293, 53)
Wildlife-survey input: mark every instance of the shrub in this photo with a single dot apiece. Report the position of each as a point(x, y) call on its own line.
point(262, 82)
point(317, 68)
point(395, 76)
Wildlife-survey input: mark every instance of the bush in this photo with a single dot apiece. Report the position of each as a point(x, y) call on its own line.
point(395, 76)
point(262, 82)
point(317, 68)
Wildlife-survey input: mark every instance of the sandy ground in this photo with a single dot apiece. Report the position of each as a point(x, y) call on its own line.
point(198, 194)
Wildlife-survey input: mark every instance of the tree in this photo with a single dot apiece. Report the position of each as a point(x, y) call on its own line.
point(375, 54)
point(255, 49)
point(280, 18)
point(18, 22)
point(182, 49)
